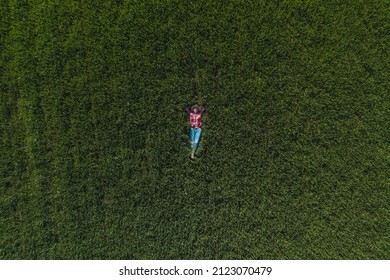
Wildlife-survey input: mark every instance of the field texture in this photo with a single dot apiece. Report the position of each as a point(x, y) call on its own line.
point(94, 153)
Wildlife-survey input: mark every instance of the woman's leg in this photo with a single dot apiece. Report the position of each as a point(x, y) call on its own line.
point(192, 136)
point(197, 136)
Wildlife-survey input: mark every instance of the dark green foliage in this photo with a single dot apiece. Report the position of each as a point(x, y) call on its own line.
point(294, 158)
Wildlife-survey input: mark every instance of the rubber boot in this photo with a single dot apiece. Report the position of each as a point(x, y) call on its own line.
point(193, 152)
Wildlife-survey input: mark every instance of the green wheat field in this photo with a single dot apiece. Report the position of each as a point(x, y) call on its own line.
point(294, 159)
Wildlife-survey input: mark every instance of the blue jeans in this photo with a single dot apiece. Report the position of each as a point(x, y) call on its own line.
point(195, 136)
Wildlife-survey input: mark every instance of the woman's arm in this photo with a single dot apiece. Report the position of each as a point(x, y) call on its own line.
point(187, 110)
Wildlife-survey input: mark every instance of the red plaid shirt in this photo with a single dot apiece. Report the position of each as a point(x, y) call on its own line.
point(196, 119)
